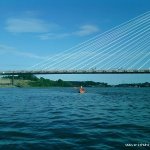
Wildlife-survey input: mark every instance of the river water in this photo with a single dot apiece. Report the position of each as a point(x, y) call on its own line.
point(63, 119)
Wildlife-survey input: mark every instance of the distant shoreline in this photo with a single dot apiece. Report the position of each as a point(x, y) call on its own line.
point(29, 81)
point(11, 86)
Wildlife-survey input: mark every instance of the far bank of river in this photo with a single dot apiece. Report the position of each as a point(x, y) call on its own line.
point(44, 83)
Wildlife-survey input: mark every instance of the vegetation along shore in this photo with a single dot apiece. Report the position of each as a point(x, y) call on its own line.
point(33, 81)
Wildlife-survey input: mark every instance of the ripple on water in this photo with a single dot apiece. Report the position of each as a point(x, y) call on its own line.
point(61, 118)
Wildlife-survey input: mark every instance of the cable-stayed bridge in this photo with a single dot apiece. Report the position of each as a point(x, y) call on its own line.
point(116, 71)
point(122, 49)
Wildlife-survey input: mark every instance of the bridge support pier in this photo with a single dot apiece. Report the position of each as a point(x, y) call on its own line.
point(12, 80)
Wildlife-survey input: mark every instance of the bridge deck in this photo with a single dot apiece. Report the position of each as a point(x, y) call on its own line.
point(117, 71)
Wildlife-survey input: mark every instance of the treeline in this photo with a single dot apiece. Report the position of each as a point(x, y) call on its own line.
point(30, 80)
point(146, 84)
point(34, 81)
point(42, 82)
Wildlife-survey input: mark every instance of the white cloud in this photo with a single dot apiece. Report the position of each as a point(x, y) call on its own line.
point(32, 25)
point(86, 30)
point(83, 31)
point(7, 49)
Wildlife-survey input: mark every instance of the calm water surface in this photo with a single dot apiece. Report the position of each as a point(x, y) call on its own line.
point(62, 119)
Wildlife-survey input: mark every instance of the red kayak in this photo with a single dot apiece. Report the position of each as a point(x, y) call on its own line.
point(81, 90)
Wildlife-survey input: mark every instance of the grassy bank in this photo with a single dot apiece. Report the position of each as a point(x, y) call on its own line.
point(33, 81)
point(17, 83)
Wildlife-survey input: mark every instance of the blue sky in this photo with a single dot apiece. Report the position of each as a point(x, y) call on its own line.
point(31, 30)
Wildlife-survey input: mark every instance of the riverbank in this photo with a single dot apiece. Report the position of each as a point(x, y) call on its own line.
point(49, 83)
point(33, 81)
